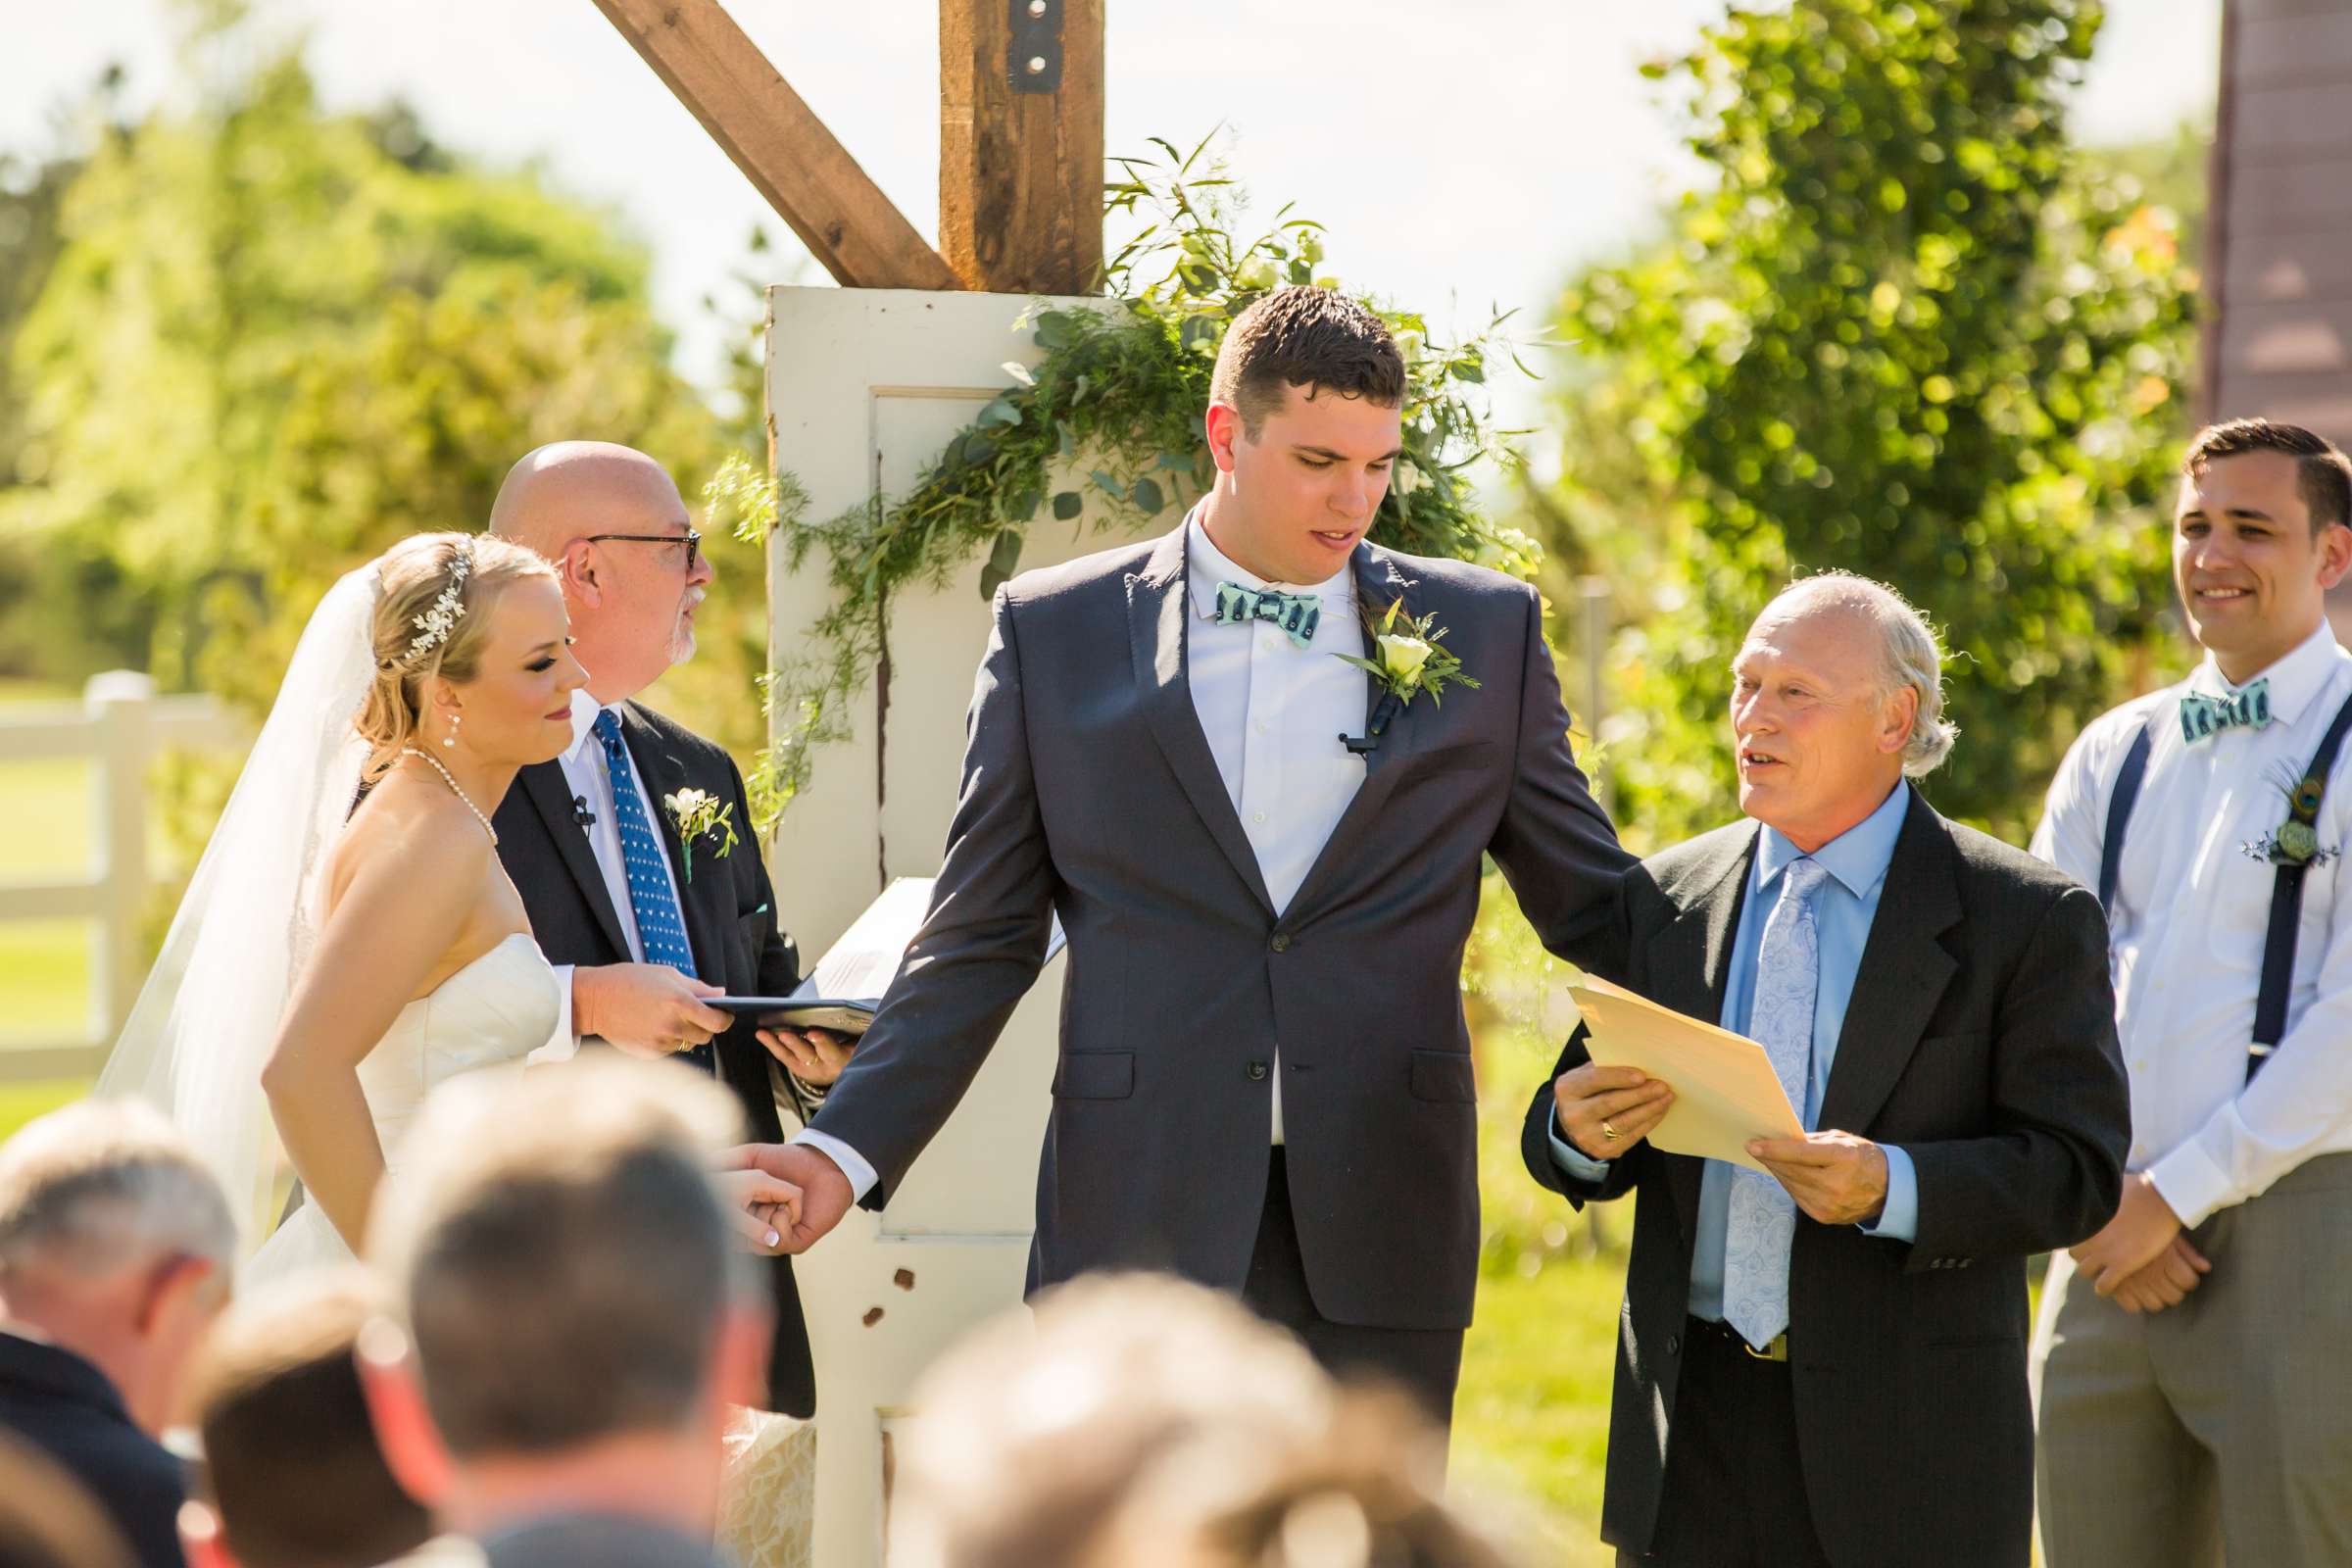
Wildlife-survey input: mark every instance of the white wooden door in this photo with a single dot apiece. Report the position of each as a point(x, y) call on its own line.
point(865, 388)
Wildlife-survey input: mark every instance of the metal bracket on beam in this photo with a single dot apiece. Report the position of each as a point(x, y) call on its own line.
point(1033, 60)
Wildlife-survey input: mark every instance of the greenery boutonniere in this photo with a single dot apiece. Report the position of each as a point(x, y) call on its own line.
point(698, 815)
point(1408, 660)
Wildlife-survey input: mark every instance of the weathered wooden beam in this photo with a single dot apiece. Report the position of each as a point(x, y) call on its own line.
point(805, 174)
point(1020, 171)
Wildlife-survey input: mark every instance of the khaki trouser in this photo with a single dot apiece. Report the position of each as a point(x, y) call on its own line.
point(2219, 1430)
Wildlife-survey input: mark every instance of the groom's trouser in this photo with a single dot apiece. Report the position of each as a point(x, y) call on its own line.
point(2219, 1430)
point(1426, 1361)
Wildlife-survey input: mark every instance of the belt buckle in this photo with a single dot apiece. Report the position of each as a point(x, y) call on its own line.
point(1777, 1351)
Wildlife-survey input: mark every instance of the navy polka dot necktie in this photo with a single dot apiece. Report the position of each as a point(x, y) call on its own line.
point(660, 927)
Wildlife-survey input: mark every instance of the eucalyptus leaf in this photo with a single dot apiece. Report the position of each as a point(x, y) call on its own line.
point(1001, 563)
point(1147, 497)
point(1067, 504)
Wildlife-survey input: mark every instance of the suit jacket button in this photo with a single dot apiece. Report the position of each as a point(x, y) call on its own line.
point(1674, 1344)
point(1256, 1071)
point(1281, 942)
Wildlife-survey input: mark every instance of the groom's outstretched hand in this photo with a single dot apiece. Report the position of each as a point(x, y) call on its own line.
point(825, 1195)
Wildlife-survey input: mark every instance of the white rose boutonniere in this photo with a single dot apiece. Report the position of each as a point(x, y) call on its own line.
point(1408, 660)
point(697, 814)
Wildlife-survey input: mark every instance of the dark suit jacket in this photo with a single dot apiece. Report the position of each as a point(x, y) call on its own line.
point(730, 914)
point(1088, 789)
point(69, 1409)
point(597, 1540)
point(1981, 1038)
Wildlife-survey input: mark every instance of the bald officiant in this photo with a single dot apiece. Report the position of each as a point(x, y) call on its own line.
point(598, 850)
point(1822, 1357)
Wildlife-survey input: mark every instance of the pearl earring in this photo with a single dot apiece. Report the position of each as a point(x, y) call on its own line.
point(451, 739)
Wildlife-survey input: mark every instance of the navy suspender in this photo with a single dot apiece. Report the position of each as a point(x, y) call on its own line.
point(2287, 889)
point(2119, 813)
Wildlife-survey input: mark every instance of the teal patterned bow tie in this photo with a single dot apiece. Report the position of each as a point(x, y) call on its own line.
point(2203, 717)
point(1295, 613)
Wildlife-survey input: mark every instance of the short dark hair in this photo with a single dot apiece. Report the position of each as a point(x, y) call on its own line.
point(561, 1259)
point(290, 1457)
point(2325, 473)
point(1310, 337)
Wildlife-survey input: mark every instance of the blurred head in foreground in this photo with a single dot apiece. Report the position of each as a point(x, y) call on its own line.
point(1140, 1422)
point(294, 1475)
point(570, 1316)
point(47, 1520)
point(116, 1245)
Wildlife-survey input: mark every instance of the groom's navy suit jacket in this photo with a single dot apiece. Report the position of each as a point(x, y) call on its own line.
point(1981, 1038)
point(730, 914)
point(1089, 790)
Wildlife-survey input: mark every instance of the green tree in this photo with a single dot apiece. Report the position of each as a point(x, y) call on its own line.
point(1905, 331)
point(273, 340)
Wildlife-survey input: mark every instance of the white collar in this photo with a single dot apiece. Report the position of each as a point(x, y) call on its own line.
point(584, 709)
point(2296, 677)
point(1208, 565)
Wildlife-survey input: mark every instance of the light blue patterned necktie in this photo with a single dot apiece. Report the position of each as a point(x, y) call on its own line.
point(660, 926)
point(1763, 1216)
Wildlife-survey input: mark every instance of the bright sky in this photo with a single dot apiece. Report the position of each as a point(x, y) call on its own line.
point(1523, 122)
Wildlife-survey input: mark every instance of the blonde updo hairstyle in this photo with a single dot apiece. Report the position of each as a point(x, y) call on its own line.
point(412, 577)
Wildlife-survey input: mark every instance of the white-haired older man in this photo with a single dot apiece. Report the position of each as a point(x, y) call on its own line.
point(115, 1246)
point(1823, 1359)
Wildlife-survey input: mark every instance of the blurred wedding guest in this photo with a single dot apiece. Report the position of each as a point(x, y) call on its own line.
point(47, 1520)
point(2195, 1392)
point(1935, 1007)
point(1137, 1420)
point(292, 1472)
point(571, 1316)
point(115, 1248)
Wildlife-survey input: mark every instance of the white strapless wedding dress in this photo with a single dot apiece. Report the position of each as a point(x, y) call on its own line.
point(490, 1015)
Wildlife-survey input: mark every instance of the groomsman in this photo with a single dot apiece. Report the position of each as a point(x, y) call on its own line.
point(641, 933)
point(2196, 1381)
point(1267, 861)
point(1812, 1366)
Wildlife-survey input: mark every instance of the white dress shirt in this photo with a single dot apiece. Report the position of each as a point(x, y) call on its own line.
point(1273, 714)
point(589, 778)
point(2191, 907)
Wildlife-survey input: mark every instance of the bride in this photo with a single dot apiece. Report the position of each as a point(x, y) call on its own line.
point(341, 961)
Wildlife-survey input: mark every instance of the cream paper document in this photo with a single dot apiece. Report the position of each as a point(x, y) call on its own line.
point(1724, 1091)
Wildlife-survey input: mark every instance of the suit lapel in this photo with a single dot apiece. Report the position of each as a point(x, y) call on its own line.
point(1379, 581)
point(1158, 616)
point(662, 773)
point(544, 787)
point(1695, 951)
point(1905, 968)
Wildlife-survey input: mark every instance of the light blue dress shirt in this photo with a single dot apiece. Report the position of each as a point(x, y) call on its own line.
point(1843, 910)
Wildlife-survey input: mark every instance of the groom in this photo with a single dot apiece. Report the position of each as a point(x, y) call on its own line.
point(647, 912)
point(1264, 1080)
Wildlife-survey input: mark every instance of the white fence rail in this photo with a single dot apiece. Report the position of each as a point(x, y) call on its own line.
point(118, 728)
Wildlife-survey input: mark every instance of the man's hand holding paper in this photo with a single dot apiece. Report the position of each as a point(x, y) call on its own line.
point(1722, 1096)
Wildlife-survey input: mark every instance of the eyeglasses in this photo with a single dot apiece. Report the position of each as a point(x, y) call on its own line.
point(692, 539)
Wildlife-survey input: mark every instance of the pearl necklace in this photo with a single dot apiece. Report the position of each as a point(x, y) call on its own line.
point(446, 778)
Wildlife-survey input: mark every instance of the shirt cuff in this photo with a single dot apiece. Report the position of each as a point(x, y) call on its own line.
point(564, 1043)
point(1571, 1159)
point(852, 1164)
point(1899, 1217)
point(2192, 1184)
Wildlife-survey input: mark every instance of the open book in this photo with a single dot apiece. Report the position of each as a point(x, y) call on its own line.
point(844, 991)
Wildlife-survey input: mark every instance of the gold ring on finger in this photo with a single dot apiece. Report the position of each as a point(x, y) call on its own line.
point(1607, 1131)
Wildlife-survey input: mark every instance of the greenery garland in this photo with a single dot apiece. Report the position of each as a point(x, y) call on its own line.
point(1114, 406)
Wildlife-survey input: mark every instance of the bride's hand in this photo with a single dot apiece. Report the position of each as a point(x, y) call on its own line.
point(761, 1208)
